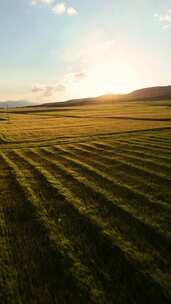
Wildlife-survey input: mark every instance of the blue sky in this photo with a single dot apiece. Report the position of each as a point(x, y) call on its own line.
point(55, 50)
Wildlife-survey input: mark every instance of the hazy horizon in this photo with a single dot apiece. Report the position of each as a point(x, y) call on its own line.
point(58, 50)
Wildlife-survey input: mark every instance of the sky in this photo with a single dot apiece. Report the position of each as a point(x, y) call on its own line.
point(54, 50)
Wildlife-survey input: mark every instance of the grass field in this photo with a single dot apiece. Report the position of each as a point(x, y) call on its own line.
point(85, 209)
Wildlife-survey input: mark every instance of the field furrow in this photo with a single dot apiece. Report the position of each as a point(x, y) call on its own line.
point(155, 141)
point(149, 166)
point(141, 153)
point(136, 197)
point(101, 237)
point(68, 217)
point(85, 203)
point(156, 157)
point(8, 275)
point(141, 180)
point(105, 207)
point(44, 252)
point(139, 143)
point(144, 162)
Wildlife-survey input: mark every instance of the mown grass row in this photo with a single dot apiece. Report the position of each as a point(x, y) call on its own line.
point(150, 146)
point(123, 153)
point(67, 217)
point(116, 161)
point(81, 166)
point(119, 202)
point(153, 140)
point(133, 143)
point(141, 152)
point(158, 139)
point(55, 267)
point(134, 197)
point(101, 238)
point(88, 191)
point(133, 175)
point(157, 169)
point(106, 207)
point(162, 163)
point(8, 276)
point(146, 162)
point(70, 214)
point(85, 228)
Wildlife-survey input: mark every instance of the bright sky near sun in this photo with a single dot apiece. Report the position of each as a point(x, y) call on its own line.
point(54, 50)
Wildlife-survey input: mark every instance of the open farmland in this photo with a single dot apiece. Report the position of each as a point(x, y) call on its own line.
point(85, 195)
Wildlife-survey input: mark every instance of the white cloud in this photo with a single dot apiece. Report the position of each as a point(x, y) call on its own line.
point(48, 2)
point(59, 8)
point(71, 11)
point(164, 19)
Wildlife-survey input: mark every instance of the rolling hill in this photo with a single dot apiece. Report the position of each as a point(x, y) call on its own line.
point(153, 92)
point(160, 92)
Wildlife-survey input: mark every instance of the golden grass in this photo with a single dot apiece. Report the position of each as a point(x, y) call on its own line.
point(45, 124)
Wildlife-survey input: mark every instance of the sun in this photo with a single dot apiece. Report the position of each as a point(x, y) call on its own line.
point(108, 77)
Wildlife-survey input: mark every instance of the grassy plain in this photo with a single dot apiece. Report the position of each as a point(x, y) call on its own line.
point(85, 195)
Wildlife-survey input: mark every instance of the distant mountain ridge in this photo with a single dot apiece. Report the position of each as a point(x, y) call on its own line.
point(15, 103)
point(150, 93)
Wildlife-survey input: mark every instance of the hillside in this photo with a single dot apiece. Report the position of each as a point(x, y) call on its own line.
point(163, 92)
point(153, 92)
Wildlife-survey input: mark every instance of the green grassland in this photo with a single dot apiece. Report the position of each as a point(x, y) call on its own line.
point(85, 204)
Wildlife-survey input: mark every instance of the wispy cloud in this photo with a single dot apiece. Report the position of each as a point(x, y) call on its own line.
point(48, 90)
point(59, 90)
point(80, 76)
point(164, 19)
point(79, 55)
point(48, 2)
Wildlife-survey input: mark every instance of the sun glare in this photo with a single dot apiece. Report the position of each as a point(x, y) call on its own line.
point(106, 77)
point(107, 69)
